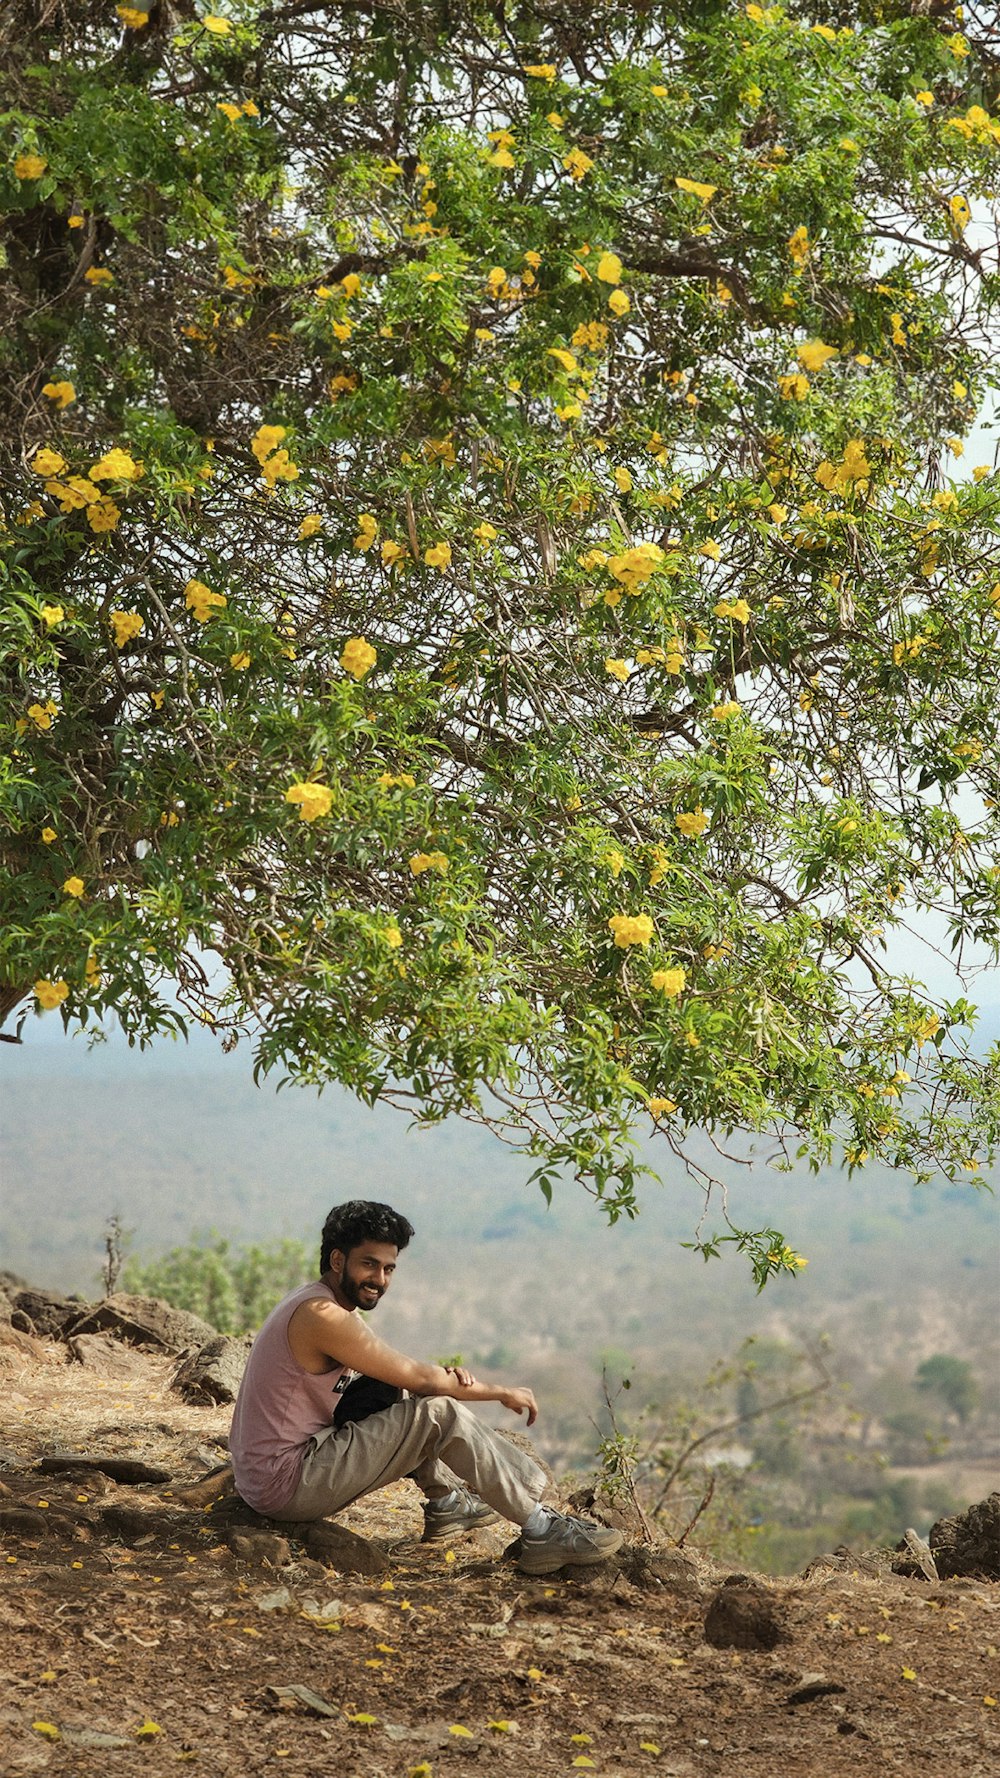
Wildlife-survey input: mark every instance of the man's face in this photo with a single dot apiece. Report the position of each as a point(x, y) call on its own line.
point(362, 1277)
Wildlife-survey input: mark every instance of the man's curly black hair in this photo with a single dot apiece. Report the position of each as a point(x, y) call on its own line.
point(348, 1225)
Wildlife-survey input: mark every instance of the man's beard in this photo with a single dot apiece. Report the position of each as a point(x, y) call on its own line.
point(360, 1295)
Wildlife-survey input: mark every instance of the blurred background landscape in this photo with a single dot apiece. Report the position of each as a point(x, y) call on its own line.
point(850, 1401)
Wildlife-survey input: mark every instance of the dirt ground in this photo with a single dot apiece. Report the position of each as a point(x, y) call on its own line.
point(132, 1635)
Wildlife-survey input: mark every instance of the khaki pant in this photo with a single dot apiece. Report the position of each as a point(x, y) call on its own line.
point(417, 1437)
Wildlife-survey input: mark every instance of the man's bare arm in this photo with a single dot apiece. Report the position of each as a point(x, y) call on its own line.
point(319, 1329)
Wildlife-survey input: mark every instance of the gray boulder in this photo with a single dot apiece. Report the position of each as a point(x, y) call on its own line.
point(212, 1373)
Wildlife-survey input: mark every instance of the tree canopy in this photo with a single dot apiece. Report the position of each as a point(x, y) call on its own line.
point(492, 607)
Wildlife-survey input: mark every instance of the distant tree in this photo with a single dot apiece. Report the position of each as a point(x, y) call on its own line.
point(486, 606)
point(953, 1380)
point(233, 1291)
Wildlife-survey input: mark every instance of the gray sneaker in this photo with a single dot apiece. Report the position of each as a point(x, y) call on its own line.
point(567, 1543)
point(451, 1518)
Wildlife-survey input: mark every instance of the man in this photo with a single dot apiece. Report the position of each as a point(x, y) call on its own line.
point(306, 1440)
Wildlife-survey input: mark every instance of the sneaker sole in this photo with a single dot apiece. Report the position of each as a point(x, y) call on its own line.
point(549, 1562)
point(459, 1530)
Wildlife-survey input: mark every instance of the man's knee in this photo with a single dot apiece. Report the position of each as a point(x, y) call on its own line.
point(443, 1412)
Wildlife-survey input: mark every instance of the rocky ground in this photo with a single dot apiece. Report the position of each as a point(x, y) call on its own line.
point(138, 1626)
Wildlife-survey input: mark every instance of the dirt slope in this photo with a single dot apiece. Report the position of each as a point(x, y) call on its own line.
point(132, 1636)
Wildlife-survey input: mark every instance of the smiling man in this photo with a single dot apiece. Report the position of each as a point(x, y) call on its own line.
point(327, 1412)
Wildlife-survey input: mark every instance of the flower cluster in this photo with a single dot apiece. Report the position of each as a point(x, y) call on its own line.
point(201, 601)
point(630, 929)
point(313, 800)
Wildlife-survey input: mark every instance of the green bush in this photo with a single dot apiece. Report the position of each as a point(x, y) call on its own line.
point(233, 1290)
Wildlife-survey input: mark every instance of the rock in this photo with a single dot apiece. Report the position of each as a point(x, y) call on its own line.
point(912, 1558)
point(742, 1614)
point(24, 1521)
point(213, 1486)
point(651, 1569)
point(212, 1375)
point(120, 1469)
point(99, 1352)
point(969, 1543)
point(137, 1527)
point(47, 1312)
point(344, 1550)
point(812, 1686)
point(620, 1515)
point(265, 1549)
point(16, 1345)
point(143, 1321)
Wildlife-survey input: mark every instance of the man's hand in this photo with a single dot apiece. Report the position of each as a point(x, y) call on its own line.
point(460, 1374)
point(519, 1401)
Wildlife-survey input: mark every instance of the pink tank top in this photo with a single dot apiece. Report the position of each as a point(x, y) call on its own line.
point(279, 1408)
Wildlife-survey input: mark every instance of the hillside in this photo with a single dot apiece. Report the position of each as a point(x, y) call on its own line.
point(127, 1619)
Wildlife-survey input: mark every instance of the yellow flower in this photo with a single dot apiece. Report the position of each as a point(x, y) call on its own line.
point(619, 303)
point(633, 567)
point(229, 110)
point(660, 1107)
point(74, 886)
point(669, 982)
point(485, 533)
point(396, 781)
point(367, 532)
point(219, 27)
point(798, 246)
point(62, 393)
point(924, 98)
point(609, 268)
point(201, 601)
point(92, 977)
point(705, 192)
point(99, 275)
point(48, 835)
point(618, 669)
point(777, 513)
point(310, 525)
point(630, 929)
point(103, 515)
point(722, 712)
point(691, 822)
point(737, 609)
point(794, 387)
point(52, 615)
point(423, 861)
point(961, 215)
point(813, 354)
point(42, 714)
point(496, 279)
point(561, 356)
point(541, 71)
point(438, 555)
point(710, 549)
point(47, 462)
point(393, 552)
point(615, 861)
point(358, 657)
point(577, 164)
point(314, 800)
point(116, 466)
point(126, 626)
point(49, 994)
point(623, 481)
point(957, 44)
point(265, 440)
point(239, 661)
point(279, 467)
point(392, 936)
point(501, 157)
point(30, 166)
point(350, 284)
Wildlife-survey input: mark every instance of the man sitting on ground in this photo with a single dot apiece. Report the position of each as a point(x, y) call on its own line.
point(322, 1418)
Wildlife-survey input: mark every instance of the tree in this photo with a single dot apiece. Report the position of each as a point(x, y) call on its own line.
point(486, 607)
point(953, 1380)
